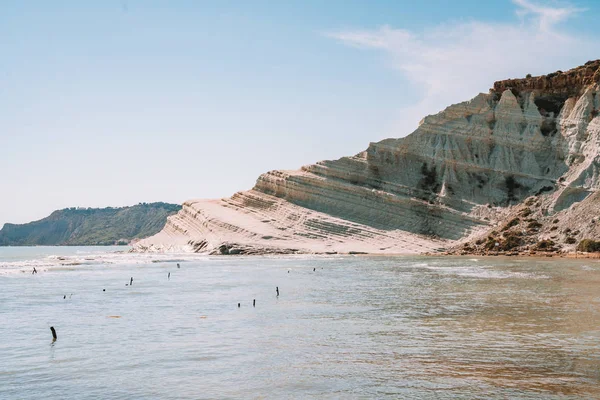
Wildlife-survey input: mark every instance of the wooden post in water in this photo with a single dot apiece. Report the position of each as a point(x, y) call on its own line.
point(53, 333)
point(131, 281)
point(239, 305)
point(254, 303)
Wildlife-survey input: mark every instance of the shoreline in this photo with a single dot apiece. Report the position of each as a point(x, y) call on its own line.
point(569, 255)
point(296, 252)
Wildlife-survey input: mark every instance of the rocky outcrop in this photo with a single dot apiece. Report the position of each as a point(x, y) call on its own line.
point(453, 180)
point(569, 83)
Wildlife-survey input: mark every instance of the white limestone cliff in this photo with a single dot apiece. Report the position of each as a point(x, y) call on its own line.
point(455, 178)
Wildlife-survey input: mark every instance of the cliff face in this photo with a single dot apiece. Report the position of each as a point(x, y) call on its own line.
point(90, 226)
point(455, 178)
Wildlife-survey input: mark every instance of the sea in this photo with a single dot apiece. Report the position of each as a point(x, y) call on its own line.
point(340, 327)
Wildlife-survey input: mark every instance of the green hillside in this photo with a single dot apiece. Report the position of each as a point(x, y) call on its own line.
point(90, 226)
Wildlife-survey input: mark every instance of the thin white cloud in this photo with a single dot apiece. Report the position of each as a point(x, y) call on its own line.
point(453, 62)
point(545, 16)
point(384, 38)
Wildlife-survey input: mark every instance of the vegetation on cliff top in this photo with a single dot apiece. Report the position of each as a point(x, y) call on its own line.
point(90, 226)
point(589, 245)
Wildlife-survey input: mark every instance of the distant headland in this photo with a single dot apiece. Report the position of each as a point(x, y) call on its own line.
point(78, 226)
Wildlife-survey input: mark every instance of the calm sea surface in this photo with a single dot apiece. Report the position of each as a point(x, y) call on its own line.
point(355, 327)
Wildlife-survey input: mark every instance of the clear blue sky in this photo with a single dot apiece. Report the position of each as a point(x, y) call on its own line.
point(119, 102)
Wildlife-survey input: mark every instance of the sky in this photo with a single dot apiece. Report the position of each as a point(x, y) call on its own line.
point(116, 102)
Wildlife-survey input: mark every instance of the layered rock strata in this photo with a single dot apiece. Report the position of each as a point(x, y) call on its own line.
point(454, 179)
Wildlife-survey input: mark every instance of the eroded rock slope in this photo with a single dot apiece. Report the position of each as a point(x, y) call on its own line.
point(455, 179)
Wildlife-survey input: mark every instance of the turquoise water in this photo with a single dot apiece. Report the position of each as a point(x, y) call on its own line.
point(356, 327)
